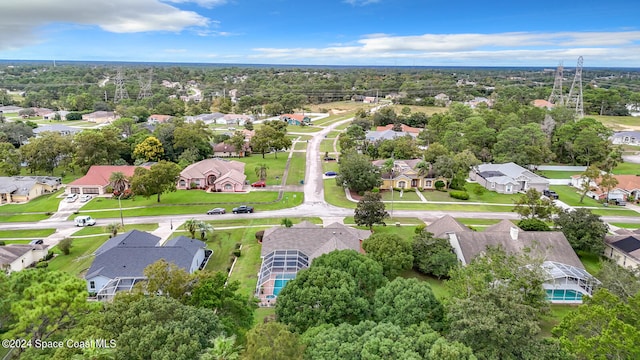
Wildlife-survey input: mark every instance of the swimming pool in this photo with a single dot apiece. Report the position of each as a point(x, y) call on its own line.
point(561, 294)
point(280, 282)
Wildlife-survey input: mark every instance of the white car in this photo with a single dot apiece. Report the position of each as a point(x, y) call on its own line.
point(71, 198)
point(85, 198)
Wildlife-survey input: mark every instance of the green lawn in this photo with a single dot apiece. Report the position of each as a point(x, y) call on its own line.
point(261, 313)
point(627, 169)
point(334, 195)
point(23, 218)
point(476, 222)
point(254, 222)
point(303, 129)
point(429, 110)
point(300, 145)
point(330, 166)
point(391, 221)
point(343, 126)
point(333, 118)
point(558, 312)
point(183, 197)
point(333, 134)
point(97, 230)
point(32, 234)
point(439, 288)
point(489, 197)
point(591, 262)
point(570, 196)
point(297, 168)
point(558, 174)
point(80, 257)
point(626, 225)
point(275, 166)
point(409, 195)
point(289, 199)
point(44, 203)
point(326, 146)
point(616, 122)
point(609, 211)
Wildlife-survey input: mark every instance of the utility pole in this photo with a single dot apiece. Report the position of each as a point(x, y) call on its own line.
point(556, 96)
point(121, 92)
point(575, 94)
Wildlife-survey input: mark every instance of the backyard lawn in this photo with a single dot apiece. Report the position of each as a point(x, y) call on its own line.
point(275, 167)
point(558, 174)
point(80, 257)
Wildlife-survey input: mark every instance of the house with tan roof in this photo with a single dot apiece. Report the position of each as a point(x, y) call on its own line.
point(100, 117)
point(215, 175)
point(623, 247)
point(96, 181)
point(566, 280)
point(224, 150)
point(541, 103)
point(628, 187)
point(406, 175)
point(17, 257)
point(237, 119)
point(158, 118)
point(403, 128)
point(285, 251)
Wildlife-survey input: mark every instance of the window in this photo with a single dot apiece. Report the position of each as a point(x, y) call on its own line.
point(92, 284)
point(493, 185)
point(182, 183)
point(228, 187)
point(508, 188)
point(428, 184)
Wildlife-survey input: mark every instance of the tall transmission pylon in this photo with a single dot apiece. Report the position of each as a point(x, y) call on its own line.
point(121, 91)
point(574, 101)
point(557, 96)
point(145, 85)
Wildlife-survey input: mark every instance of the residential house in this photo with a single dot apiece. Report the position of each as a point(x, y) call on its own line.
point(442, 99)
point(402, 127)
point(626, 138)
point(285, 251)
point(237, 119)
point(223, 150)
point(634, 109)
point(158, 118)
point(52, 115)
point(628, 187)
point(507, 178)
point(566, 280)
point(374, 136)
point(370, 100)
point(17, 257)
point(623, 247)
point(213, 175)
point(296, 119)
point(19, 189)
point(59, 128)
point(96, 180)
point(541, 103)
point(120, 262)
point(477, 101)
point(405, 175)
point(100, 117)
point(213, 118)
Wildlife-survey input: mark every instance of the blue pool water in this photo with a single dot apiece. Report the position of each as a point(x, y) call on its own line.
point(571, 295)
point(280, 282)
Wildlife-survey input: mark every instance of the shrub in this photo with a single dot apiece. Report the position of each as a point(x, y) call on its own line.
point(49, 255)
point(65, 245)
point(439, 185)
point(375, 190)
point(236, 252)
point(533, 225)
point(193, 185)
point(419, 228)
point(109, 189)
point(237, 246)
point(2, 243)
point(42, 264)
point(479, 190)
point(459, 194)
point(74, 116)
point(259, 235)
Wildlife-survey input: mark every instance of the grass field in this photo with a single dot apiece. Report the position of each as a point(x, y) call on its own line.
point(616, 122)
point(275, 167)
point(80, 257)
point(334, 118)
point(429, 110)
point(439, 288)
point(297, 168)
point(592, 263)
point(627, 169)
point(300, 145)
point(558, 174)
point(391, 221)
point(44, 203)
point(489, 197)
point(609, 211)
point(341, 105)
point(570, 196)
point(22, 217)
point(254, 222)
point(626, 225)
point(408, 195)
point(326, 146)
point(99, 230)
point(303, 129)
point(30, 234)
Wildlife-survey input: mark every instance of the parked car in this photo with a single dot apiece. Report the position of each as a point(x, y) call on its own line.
point(84, 221)
point(260, 183)
point(550, 194)
point(216, 211)
point(330, 173)
point(243, 209)
point(71, 198)
point(36, 242)
point(85, 198)
point(329, 158)
point(620, 202)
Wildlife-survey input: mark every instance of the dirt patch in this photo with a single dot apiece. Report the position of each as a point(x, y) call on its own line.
point(337, 111)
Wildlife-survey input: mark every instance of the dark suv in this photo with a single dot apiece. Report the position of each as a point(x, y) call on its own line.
point(550, 194)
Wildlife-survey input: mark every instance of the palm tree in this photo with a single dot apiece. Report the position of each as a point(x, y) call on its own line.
point(113, 228)
point(286, 222)
point(191, 226)
point(423, 168)
point(224, 348)
point(118, 181)
point(261, 171)
point(204, 229)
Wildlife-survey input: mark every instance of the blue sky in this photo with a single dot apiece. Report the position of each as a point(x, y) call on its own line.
point(326, 32)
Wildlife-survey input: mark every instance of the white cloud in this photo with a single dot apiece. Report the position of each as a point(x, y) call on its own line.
point(21, 19)
point(204, 3)
point(516, 47)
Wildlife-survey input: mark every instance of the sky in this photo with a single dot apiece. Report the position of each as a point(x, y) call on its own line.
point(324, 32)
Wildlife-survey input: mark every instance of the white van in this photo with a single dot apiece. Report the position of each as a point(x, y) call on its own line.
point(84, 221)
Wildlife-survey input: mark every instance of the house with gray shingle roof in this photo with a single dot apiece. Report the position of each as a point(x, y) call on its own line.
point(59, 128)
point(285, 251)
point(120, 262)
point(566, 281)
point(16, 257)
point(508, 178)
point(623, 248)
point(18, 189)
point(626, 137)
point(374, 136)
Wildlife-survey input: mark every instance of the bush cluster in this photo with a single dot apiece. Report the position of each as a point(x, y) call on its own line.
point(459, 194)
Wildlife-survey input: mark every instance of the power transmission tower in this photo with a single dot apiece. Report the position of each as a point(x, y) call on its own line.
point(556, 96)
point(145, 85)
point(121, 91)
point(574, 101)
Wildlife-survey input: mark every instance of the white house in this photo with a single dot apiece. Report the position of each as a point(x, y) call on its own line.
point(16, 257)
point(507, 178)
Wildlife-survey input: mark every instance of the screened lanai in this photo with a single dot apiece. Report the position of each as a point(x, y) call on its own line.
point(566, 283)
point(278, 267)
